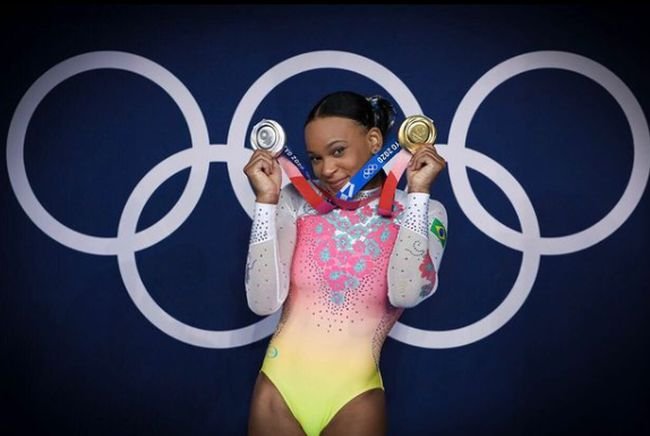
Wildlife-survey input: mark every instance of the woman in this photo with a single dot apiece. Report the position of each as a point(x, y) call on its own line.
point(342, 278)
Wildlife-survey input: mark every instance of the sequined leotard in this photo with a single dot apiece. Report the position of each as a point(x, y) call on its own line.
point(342, 280)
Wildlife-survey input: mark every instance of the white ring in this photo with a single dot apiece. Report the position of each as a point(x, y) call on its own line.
point(39, 90)
point(493, 228)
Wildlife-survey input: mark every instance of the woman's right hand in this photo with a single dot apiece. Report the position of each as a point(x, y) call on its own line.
point(265, 176)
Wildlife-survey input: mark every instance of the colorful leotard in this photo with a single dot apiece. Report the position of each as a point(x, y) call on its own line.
point(342, 279)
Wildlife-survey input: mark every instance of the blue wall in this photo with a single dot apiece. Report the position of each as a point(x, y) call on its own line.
point(121, 317)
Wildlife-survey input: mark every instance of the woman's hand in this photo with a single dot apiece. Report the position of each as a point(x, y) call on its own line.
point(424, 167)
point(265, 176)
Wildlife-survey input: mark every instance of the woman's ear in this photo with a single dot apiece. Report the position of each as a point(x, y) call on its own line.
point(375, 139)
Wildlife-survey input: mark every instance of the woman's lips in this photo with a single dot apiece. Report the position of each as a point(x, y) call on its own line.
point(336, 186)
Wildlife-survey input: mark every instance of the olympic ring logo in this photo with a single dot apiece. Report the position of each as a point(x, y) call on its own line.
point(369, 171)
point(234, 154)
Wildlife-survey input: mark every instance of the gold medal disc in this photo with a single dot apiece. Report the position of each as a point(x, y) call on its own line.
point(415, 131)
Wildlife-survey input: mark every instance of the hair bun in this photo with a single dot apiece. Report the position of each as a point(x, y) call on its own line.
point(383, 111)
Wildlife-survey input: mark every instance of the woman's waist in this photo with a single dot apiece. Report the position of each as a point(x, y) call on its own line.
point(318, 324)
point(308, 335)
point(320, 353)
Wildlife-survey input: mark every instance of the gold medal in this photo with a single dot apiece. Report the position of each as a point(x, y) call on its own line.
point(415, 131)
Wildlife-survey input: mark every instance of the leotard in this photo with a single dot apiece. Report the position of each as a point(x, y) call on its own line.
point(342, 280)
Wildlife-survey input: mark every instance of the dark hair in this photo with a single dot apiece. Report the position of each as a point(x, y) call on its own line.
point(370, 112)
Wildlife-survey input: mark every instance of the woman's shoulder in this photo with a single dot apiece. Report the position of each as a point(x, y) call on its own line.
point(290, 195)
point(293, 201)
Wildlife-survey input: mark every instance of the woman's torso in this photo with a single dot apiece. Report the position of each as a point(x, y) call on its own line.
point(337, 297)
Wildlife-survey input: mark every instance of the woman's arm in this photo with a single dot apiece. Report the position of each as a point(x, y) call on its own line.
point(273, 237)
point(415, 261)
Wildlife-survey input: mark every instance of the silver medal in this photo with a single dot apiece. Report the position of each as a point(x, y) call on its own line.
point(268, 135)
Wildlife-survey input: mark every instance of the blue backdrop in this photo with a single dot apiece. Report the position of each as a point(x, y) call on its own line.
point(126, 215)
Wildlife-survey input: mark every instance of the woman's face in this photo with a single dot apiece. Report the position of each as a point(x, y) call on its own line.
point(338, 147)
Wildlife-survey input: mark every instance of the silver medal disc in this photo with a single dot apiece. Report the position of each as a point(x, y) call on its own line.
point(268, 135)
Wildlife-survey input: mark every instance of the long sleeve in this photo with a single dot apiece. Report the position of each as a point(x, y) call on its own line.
point(415, 260)
point(270, 250)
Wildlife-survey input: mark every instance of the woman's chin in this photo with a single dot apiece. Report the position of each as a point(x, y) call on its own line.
point(333, 189)
point(336, 188)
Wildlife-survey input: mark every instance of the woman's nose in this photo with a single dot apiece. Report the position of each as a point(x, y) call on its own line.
point(328, 167)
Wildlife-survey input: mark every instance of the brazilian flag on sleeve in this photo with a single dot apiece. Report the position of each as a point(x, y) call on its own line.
point(438, 229)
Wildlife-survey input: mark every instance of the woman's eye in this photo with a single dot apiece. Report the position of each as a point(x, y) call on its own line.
point(338, 151)
point(314, 159)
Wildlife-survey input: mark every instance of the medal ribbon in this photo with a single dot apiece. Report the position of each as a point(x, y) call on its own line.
point(271, 136)
point(324, 202)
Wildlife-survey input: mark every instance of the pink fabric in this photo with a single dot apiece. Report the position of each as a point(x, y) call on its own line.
point(339, 274)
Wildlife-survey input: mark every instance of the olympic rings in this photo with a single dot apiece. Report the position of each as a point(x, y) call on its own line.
point(198, 158)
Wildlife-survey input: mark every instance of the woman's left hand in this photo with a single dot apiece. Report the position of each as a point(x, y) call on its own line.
point(424, 167)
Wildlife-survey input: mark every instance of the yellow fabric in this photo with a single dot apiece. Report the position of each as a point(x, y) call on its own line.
point(313, 388)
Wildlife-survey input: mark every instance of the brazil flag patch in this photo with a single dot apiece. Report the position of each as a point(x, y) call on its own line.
point(438, 229)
